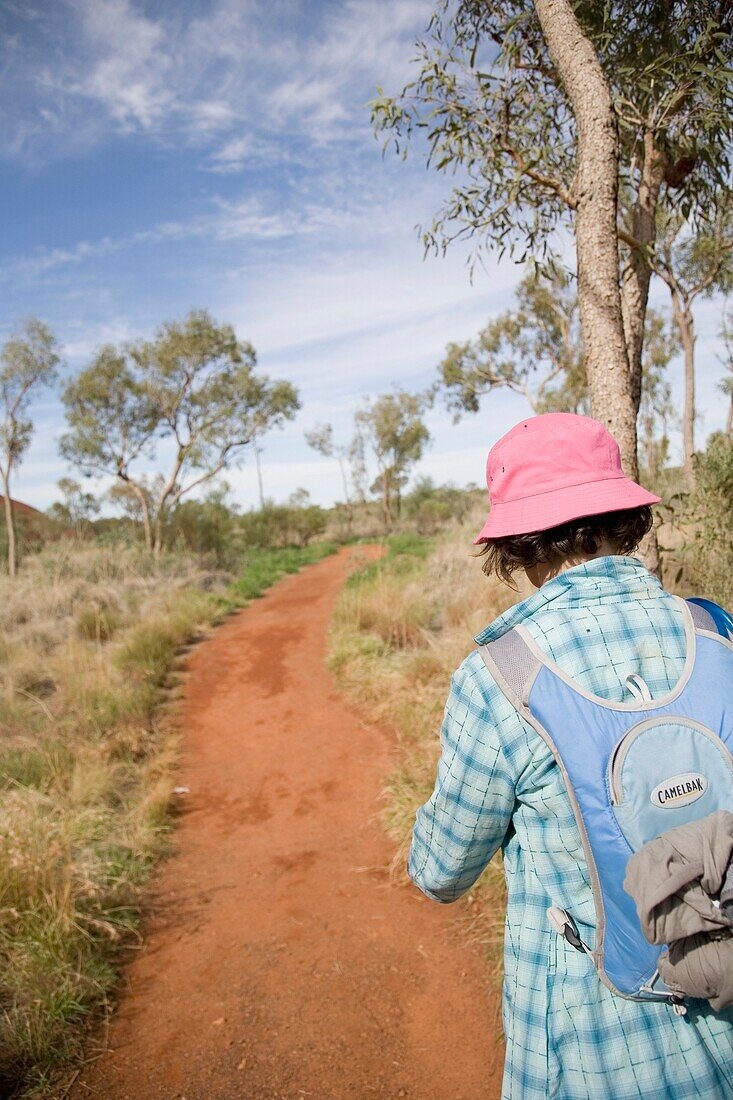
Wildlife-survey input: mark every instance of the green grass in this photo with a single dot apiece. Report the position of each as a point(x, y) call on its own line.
point(404, 554)
point(266, 566)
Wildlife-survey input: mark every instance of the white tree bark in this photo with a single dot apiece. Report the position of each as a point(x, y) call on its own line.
point(10, 527)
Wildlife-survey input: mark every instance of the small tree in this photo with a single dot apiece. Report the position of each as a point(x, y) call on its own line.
point(28, 362)
point(208, 526)
point(534, 350)
point(77, 509)
point(320, 438)
point(306, 520)
point(394, 433)
point(193, 386)
point(693, 265)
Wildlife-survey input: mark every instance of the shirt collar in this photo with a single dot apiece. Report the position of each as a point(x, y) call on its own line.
point(601, 580)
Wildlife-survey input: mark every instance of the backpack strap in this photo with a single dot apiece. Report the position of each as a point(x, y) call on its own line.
point(512, 664)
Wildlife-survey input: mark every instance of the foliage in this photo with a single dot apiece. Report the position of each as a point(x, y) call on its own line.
point(489, 103)
point(526, 350)
point(279, 525)
point(533, 145)
point(541, 336)
point(194, 386)
point(76, 510)
point(207, 526)
point(431, 507)
point(693, 265)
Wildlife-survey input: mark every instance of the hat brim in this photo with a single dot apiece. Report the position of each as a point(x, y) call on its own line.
point(546, 510)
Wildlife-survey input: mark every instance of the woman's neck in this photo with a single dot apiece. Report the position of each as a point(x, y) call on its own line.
point(545, 571)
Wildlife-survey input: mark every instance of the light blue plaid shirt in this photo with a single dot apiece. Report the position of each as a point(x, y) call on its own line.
point(567, 1035)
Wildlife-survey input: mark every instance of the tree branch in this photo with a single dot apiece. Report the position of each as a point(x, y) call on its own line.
point(548, 182)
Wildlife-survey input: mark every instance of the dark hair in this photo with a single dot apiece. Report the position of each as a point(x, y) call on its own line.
point(625, 529)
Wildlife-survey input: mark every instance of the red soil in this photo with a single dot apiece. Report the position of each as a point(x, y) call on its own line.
point(280, 960)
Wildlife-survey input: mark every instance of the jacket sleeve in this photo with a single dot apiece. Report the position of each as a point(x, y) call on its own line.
point(464, 822)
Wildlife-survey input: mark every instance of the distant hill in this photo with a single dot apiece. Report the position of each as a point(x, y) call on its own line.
point(20, 508)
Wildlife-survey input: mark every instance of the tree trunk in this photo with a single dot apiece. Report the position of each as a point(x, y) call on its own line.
point(612, 399)
point(685, 323)
point(636, 272)
point(158, 536)
point(596, 231)
point(347, 497)
point(144, 511)
point(729, 420)
point(9, 526)
point(259, 473)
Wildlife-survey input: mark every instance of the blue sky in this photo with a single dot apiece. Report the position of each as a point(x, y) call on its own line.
point(162, 156)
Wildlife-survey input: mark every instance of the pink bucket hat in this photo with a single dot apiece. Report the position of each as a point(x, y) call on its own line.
point(553, 468)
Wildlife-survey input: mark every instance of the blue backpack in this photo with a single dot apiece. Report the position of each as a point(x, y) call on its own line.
point(633, 770)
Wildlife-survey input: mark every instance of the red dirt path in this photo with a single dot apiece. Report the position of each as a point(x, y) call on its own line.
point(279, 959)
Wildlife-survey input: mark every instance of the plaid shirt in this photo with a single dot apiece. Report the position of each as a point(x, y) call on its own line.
point(567, 1035)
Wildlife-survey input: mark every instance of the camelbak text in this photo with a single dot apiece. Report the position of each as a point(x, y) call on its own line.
point(679, 790)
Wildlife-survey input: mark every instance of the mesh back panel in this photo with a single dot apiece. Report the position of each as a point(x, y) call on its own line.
point(702, 619)
point(514, 660)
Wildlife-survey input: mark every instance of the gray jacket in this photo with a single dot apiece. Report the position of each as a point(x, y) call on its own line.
point(675, 882)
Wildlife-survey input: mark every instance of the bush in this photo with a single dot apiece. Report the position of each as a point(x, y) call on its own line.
point(280, 525)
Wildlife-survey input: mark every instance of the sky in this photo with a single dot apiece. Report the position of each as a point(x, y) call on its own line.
point(166, 156)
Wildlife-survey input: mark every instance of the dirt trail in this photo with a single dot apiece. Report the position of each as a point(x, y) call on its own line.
point(279, 960)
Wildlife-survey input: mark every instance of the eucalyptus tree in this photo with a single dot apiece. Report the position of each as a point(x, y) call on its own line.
point(546, 113)
point(28, 362)
point(693, 265)
point(391, 429)
point(321, 439)
point(533, 349)
point(193, 389)
point(77, 508)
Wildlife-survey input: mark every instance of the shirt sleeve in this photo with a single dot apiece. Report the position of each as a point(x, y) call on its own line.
point(466, 818)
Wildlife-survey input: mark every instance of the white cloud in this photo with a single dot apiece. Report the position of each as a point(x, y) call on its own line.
point(235, 76)
point(129, 73)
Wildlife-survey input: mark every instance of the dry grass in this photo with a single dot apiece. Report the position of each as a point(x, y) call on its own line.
point(400, 630)
point(88, 637)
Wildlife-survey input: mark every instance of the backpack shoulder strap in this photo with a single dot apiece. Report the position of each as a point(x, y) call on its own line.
point(512, 664)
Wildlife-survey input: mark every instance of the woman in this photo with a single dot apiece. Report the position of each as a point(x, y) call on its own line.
point(562, 511)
